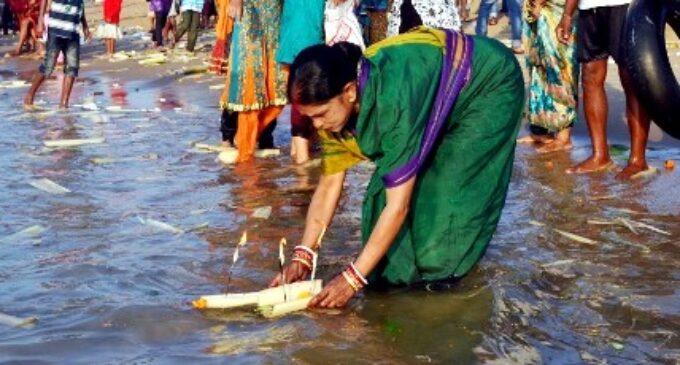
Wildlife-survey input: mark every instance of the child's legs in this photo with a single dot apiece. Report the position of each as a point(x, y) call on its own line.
point(46, 68)
point(193, 30)
point(71, 67)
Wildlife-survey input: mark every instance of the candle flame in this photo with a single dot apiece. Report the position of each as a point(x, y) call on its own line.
point(282, 257)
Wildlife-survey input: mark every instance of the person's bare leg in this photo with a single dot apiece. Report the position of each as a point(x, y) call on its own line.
point(38, 79)
point(561, 142)
point(23, 36)
point(113, 46)
point(596, 109)
point(638, 125)
point(66, 88)
point(299, 150)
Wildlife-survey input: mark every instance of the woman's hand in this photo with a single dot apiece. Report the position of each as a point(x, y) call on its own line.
point(563, 29)
point(295, 271)
point(334, 295)
point(235, 9)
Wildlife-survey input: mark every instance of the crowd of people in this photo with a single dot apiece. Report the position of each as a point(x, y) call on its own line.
point(437, 110)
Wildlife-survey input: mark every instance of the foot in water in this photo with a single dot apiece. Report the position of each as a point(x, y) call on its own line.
point(631, 170)
point(592, 164)
point(555, 146)
point(534, 138)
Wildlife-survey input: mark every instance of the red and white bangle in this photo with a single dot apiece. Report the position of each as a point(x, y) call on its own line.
point(304, 255)
point(354, 277)
point(357, 274)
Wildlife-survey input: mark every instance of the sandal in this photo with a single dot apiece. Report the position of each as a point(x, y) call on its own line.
point(493, 20)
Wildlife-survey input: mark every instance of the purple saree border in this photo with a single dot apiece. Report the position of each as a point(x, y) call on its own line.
point(451, 83)
point(364, 70)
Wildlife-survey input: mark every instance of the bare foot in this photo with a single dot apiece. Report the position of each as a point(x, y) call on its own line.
point(631, 170)
point(533, 138)
point(592, 164)
point(28, 103)
point(554, 146)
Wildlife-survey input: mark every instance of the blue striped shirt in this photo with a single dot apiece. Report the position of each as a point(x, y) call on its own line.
point(195, 5)
point(65, 18)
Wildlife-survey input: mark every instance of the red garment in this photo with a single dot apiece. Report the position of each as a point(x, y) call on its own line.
point(25, 9)
point(18, 7)
point(112, 11)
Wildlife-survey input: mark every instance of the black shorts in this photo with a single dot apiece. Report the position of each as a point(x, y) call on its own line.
point(600, 33)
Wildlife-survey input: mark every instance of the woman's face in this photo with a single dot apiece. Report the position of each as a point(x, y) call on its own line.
point(332, 116)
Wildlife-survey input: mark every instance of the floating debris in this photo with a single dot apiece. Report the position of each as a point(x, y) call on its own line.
point(558, 263)
point(603, 197)
point(669, 164)
point(13, 321)
point(651, 171)
point(30, 232)
point(216, 87)
point(104, 160)
point(153, 59)
point(13, 84)
point(73, 142)
point(617, 346)
point(212, 147)
point(612, 236)
point(198, 227)
point(262, 212)
point(49, 186)
point(575, 237)
point(228, 157)
point(160, 225)
point(628, 223)
point(571, 236)
point(91, 106)
point(267, 153)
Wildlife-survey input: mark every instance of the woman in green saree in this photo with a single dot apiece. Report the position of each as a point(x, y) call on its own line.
point(438, 112)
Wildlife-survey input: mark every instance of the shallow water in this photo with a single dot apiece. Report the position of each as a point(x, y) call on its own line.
point(108, 289)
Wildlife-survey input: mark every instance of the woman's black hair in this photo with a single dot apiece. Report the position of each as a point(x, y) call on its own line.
point(320, 72)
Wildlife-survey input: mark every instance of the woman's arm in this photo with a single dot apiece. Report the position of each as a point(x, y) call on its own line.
point(319, 215)
point(338, 292)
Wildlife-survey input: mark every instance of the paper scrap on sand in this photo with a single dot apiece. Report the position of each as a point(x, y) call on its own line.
point(49, 186)
point(73, 142)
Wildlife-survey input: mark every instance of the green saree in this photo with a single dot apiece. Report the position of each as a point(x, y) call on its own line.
point(462, 180)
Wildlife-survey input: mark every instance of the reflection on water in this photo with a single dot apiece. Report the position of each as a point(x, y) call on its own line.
point(108, 289)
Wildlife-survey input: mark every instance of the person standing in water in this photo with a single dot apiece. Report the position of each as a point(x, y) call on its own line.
point(65, 18)
point(599, 35)
point(438, 112)
point(553, 78)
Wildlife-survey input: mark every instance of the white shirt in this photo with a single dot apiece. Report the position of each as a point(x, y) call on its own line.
point(589, 4)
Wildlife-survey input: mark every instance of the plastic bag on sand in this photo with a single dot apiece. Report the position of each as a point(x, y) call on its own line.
point(341, 25)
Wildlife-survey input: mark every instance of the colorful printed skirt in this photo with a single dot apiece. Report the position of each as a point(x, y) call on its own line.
point(254, 80)
point(553, 70)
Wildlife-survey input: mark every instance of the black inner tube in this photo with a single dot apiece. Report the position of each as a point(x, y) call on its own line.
point(646, 59)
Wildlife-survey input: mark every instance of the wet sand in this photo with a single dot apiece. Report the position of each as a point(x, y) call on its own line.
point(107, 288)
